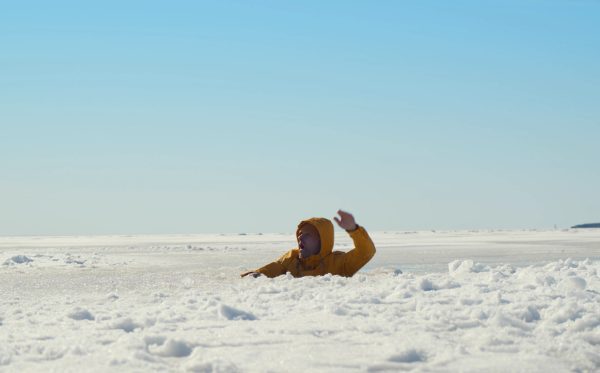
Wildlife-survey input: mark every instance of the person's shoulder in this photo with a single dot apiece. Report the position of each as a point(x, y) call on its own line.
point(290, 255)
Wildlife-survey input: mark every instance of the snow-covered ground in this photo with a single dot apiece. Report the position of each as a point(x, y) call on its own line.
point(429, 301)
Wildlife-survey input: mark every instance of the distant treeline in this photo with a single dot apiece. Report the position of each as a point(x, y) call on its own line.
point(590, 225)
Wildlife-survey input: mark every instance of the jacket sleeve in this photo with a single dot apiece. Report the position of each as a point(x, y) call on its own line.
point(363, 251)
point(276, 268)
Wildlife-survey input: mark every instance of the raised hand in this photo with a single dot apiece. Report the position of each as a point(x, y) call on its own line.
point(346, 220)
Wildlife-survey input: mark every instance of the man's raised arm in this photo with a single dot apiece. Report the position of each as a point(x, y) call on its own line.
point(364, 249)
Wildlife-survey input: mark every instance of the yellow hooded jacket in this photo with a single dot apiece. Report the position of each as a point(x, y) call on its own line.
point(327, 260)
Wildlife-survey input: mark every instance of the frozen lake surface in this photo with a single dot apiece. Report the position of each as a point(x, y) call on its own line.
point(428, 301)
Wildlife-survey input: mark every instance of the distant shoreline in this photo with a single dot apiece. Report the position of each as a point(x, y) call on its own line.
point(589, 225)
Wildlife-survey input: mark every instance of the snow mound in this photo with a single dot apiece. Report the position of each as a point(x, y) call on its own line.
point(17, 259)
point(5, 356)
point(81, 314)
point(408, 356)
point(170, 348)
point(231, 313)
point(466, 266)
point(126, 324)
point(201, 364)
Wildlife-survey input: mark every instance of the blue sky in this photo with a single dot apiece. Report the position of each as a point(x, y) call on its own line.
point(236, 116)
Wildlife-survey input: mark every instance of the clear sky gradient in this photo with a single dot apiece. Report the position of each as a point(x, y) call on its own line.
point(124, 117)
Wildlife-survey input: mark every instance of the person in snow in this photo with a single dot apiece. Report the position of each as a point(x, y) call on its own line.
point(315, 256)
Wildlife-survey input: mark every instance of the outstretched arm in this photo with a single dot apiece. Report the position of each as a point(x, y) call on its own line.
point(251, 274)
point(273, 269)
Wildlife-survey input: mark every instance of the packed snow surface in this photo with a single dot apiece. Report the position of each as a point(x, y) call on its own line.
point(429, 301)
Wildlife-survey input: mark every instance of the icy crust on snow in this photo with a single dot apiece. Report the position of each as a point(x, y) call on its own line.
point(473, 317)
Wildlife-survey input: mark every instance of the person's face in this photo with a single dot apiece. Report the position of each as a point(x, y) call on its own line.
point(309, 241)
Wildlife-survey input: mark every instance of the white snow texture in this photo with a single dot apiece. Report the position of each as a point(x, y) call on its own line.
point(491, 301)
